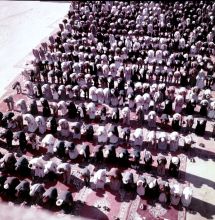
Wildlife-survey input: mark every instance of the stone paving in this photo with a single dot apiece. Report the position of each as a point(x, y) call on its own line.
point(23, 25)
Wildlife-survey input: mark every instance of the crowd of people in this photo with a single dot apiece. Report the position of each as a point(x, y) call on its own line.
point(113, 70)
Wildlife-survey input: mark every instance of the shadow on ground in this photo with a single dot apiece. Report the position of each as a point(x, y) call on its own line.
point(205, 209)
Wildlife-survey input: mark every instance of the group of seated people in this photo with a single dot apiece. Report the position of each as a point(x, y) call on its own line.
point(112, 70)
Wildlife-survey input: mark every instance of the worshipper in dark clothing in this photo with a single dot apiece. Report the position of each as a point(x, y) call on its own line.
point(164, 119)
point(126, 134)
point(60, 149)
point(98, 154)
point(89, 132)
point(85, 89)
point(85, 174)
point(21, 166)
point(109, 154)
point(72, 110)
point(161, 161)
point(38, 91)
point(183, 81)
point(10, 102)
point(128, 182)
point(164, 189)
point(21, 137)
point(115, 116)
point(50, 196)
point(52, 125)
point(10, 186)
point(152, 189)
point(95, 79)
point(103, 114)
point(8, 135)
point(2, 181)
point(123, 158)
point(23, 190)
point(81, 111)
point(136, 159)
point(17, 86)
point(148, 160)
point(6, 118)
point(190, 107)
point(84, 152)
point(8, 162)
point(204, 108)
point(200, 127)
point(111, 82)
point(33, 108)
point(46, 107)
point(168, 107)
point(174, 166)
point(115, 179)
point(65, 201)
point(121, 85)
point(44, 73)
point(59, 76)
point(176, 122)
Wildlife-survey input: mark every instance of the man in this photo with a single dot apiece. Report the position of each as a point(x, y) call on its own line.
point(161, 161)
point(8, 135)
point(174, 166)
point(21, 137)
point(85, 175)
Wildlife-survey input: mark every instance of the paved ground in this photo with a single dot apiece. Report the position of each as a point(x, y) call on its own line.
point(201, 174)
point(23, 25)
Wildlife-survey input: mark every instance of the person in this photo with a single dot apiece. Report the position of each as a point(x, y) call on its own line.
point(72, 110)
point(148, 160)
point(46, 108)
point(115, 179)
point(8, 135)
point(164, 196)
point(85, 174)
point(128, 182)
point(33, 108)
point(152, 188)
point(161, 161)
point(188, 142)
point(200, 127)
point(20, 135)
point(190, 106)
point(126, 134)
point(52, 125)
point(141, 186)
point(174, 166)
